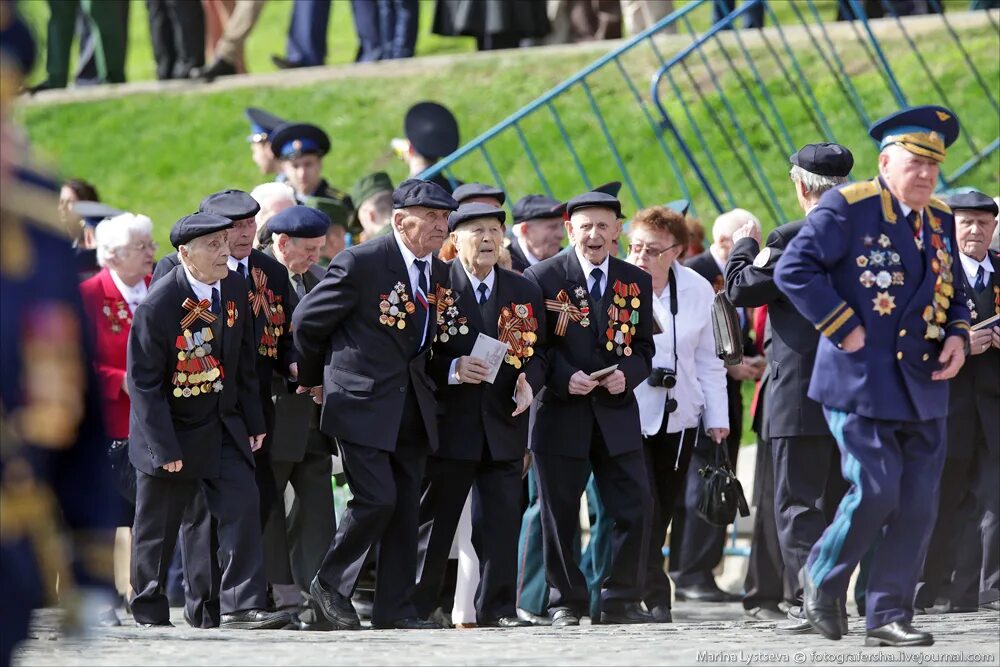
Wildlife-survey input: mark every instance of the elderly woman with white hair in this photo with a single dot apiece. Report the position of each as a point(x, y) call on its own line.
point(273, 198)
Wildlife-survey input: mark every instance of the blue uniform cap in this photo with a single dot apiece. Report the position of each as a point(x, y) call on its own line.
point(467, 212)
point(300, 221)
point(232, 204)
point(972, 201)
point(198, 224)
point(432, 129)
point(93, 212)
point(469, 190)
point(262, 124)
point(825, 159)
point(926, 131)
point(537, 207)
point(594, 199)
point(294, 139)
point(415, 192)
point(679, 206)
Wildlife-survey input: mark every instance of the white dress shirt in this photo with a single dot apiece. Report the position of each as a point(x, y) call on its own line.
point(588, 269)
point(202, 290)
point(489, 281)
point(414, 275)
point(132, 296)
point(234, 263)
point(971, 267)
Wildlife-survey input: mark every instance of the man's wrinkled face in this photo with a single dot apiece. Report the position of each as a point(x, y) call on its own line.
point(422, 229)
point(336, 241)
point(974, 231)
point(299, 254)
point(478, 242)
point(207, 256)
point(543, 236)
point(304, 173)
point(241, 237)
point(594, 232)
point(910, 177)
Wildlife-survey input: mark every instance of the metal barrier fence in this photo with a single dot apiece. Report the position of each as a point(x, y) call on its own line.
point(727, 106)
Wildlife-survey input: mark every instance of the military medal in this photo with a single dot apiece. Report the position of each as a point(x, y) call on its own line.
point(230, 313)
point(117, 313)
point(516, 326)
point(566, 310)
point(623, 317)
point(196, 366)
point(395, 306)
point(884, 302)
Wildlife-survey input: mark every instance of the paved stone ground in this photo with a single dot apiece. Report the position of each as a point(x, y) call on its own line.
point(702, 633)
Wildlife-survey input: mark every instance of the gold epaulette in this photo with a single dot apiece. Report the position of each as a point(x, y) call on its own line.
point(855, 192)
point(939, 205)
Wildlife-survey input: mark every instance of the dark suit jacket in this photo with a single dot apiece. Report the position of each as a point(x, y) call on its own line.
point(364, 366)
point(565, 422)
point(975, 391)
point(790, 411)
point(518, 262)
point(467, 410)
point(165, 428)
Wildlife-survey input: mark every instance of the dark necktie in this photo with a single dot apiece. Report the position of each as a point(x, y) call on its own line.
point(300, 286)
point(595, 291)
point(216, 301)
point(915, 224)
point(483, 289)
point(980, 279)
point(421, 296)
point(242, 269)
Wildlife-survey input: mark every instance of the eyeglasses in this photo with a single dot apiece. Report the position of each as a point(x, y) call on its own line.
point(144, 245)
point(654, 252)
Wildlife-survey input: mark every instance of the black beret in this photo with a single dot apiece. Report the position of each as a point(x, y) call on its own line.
point(535, 207)
point(594, 199)
point(826, 159)
point(198, 224)
point(972, 201)
point(472, 211)
point(294, 139)
point(94, 212)
point(612, 188)
point(262, 124)
point(415, 192)
point(300, 222)
point(469, 190)
point(232, 204)
point(432, 129)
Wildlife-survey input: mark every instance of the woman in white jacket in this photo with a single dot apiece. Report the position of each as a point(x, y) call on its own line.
point(686, 390)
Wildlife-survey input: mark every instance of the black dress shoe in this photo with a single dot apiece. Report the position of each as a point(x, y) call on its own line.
point(254, 619)
point(990, 606)
point(310, 620)
point(629, 613)
point(284, 63)
point(407, 624)
point(661, 613)
point(532, 618)
point(822, 611)
point(898, 633)
point(335, 607)
point(209, 73)
point(505, 622)
point(705, 593)
point(165, 624)
point(798, 624)
point(765, 612)
point(563, 617)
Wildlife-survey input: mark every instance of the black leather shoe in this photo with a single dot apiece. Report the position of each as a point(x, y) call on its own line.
point(335, 607)
point(629, 613)
point(254, 619)
point(822, 611)
point(407, 624)
point(990, 606)
point(765, 612)
point(898, 633)
point(798, 624)
point(505, 622)
point(284, 63)
point(165, 624)
point(661, 613)
point(310, 619)
point(704, 593)
point(533, 619)
point(564, 617)
point(209, 73)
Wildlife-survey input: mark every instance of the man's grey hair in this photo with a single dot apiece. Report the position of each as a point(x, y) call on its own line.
point(730, 221)
point(815, 184)
point(115, 233)
point(269, 194)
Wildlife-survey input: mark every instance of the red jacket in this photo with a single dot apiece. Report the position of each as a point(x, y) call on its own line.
point(110, 321)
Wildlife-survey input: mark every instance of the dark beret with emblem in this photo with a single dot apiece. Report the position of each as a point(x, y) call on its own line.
point(679, 206)
point(335, 211)
point(472, 211)
point(294, 139)
point(300, 221)
point(470, 190)
point(612, 188)
point(369, 186)
point(432, 129)
point(93, 212)
point(537, 207)
point(972, 201)
point(416, 192)
point(195, 225)
point(826, 159)
point(262, 124)
point(926, 131)
point(594, 199)
point(232, 204)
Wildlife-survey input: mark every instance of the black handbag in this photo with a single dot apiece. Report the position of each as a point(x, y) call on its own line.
point(721, 492)
point(726, 327)
point(123, 473)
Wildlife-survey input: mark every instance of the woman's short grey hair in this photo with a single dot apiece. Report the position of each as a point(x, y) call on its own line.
point(815, 184)
point(115, 233)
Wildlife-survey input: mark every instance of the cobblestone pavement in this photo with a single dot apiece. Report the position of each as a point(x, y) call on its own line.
point(702, 633)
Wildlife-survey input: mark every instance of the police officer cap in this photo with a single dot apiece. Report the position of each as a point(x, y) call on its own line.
point(93, 212)
point(679, 206)
point(198, 224)
point(925, 131)
point(594, 199)
point(291, 140)
point(972, 201)
point(262, 124)
point(612, 188)
point(826, 159)
point(415, 192)
point(336, 212)
point(232, 204)
point(300, 222)
point(472, 211)
point(469, 190)
point(17, 46)
point(369, 186)
point(534, 207)
point(432, 129)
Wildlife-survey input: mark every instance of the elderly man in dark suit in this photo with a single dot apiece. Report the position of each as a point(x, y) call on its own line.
point(807, 480)
point(483, 423)
point(538, 230)
point(600, 346)
point(195, 423)
point(364, 334)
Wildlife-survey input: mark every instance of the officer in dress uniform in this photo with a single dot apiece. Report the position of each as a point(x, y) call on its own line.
point(538, 230)
point(364, 335)
point(431, 134)
point(194, 425)
point(599, 333)
point(874, 270)
point(969, 481)
point(807, 480)
point(300, 147)
point(482, 424)
point(262, 125)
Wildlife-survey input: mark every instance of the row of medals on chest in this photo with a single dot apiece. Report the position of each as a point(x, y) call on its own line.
point(198, 372)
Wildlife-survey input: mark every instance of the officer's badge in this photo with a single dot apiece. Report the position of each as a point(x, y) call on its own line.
point(395, 306)
point(972, 308)
point(862, 261)
point(867, 279)
point(883, 240)
point(883, 279)
point(942, 116)
point(117, 313)
point(898, 277)
point(516, 327)
point(876, 258)
point(868, 240)
point(935, 223)
point(760, 261)
point(623, 316)
point(231, 313)
point(884, 302)
point(566, 310)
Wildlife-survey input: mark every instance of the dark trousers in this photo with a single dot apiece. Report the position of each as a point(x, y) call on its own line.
point(199, 545)
point(752, 18)
point(667, 461)
point(231, 500)
point(87, 72)
point(306, 43)
point(766, 582)
point(177, 30)
point(624, 489)
point(107, 32)
point(532, 593)
point(808, 487)
point(496, 488)
point(893, 469)
point(386, 28)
